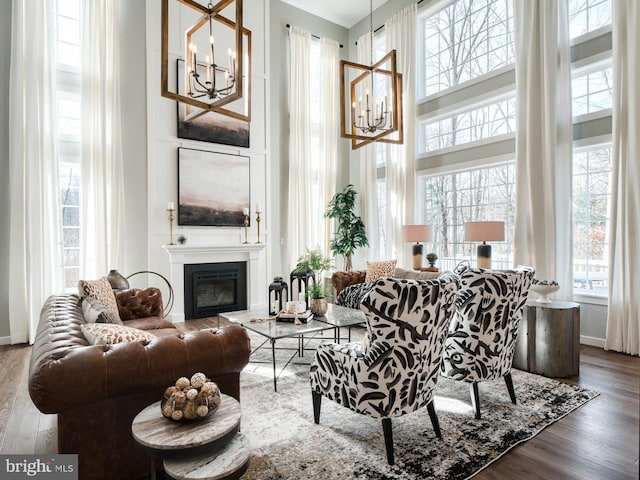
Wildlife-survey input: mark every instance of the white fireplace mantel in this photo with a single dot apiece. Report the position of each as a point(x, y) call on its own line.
point(179, 255)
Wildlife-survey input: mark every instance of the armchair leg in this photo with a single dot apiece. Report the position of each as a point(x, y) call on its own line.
point(388, 439)
point(317, 402)
point(434, 419)
point(512, 392)
point(475, 398)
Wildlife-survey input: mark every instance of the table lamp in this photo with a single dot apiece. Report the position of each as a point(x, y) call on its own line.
point(484, 232)
point(417, 233)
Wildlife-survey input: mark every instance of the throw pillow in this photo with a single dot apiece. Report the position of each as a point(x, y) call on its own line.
point(376, 270)
point(414, 274)
point(100, 290)
point(96, 312)
point(110, 334)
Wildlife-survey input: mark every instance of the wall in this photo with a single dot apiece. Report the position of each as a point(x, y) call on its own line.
point(5, 55)
point(282, 14)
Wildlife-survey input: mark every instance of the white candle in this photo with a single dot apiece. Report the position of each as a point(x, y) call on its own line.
point(245, 211)
point(258, 207)
point(170, 206)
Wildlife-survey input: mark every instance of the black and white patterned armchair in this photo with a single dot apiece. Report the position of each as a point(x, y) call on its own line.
point(482, 336)
point(394, 370)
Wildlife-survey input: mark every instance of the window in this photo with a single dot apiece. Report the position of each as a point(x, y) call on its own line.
point(588, 15)
point(69, 130)
point(477, 194)
point(592, 91)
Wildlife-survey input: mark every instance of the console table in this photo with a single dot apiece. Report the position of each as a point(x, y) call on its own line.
point(549, 339)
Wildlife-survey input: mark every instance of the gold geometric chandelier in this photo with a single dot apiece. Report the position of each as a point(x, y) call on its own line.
point(371, 99)
point(210, 81)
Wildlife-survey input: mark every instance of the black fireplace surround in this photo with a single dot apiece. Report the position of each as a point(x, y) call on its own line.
point(212, 288)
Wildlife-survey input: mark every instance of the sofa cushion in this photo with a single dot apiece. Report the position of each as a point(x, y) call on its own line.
point(100, 290)
point(96, 312)
point(110, 334)
point(376, 270)
point(414, 274)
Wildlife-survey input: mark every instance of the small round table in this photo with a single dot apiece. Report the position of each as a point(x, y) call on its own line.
point(213, 438)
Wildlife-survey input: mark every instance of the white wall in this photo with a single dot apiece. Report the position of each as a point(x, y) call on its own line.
point(5, 54)
point(163, 144)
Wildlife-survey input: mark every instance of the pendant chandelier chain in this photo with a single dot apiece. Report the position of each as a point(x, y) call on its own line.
point(371, 31)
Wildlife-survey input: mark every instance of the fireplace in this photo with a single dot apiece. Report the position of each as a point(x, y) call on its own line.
point(212, 288)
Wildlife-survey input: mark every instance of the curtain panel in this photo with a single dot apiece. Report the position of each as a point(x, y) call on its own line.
point(35, 239)
point(623, 322)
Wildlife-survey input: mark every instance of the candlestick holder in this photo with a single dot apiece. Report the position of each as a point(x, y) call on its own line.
point(171, 219)
point(246, 226)
point(258, 222)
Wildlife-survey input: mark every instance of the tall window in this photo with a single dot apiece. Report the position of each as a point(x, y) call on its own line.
point(69, 128)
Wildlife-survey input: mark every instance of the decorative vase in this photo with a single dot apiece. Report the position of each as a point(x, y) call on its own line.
point(319, 306)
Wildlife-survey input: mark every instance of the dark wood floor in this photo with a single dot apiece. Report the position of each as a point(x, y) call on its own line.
point(597, 441)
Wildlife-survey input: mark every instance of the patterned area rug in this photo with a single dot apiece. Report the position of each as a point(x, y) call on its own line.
point(286, 444)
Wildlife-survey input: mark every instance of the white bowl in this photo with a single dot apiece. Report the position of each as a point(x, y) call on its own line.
point(543, 292)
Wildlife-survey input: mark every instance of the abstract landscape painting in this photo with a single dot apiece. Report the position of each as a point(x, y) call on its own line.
point(213, 188)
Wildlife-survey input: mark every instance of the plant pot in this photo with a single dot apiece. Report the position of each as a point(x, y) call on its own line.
point(319, 306)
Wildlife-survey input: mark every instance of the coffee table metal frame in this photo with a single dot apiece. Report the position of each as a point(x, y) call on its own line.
point(258, 321)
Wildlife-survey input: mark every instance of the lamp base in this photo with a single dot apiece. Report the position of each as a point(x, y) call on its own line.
point(417, 256)
point(484, 256)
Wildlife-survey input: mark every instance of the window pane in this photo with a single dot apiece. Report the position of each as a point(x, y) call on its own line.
point(479, 194)
point(588, 15)
point(465, 40)
point(592, 91)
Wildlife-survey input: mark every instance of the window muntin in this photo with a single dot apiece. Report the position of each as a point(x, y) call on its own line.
point(69, 174)
point(588, 15)
point(592, 91)
point(478, 194)
point(68, 33)
point(465, 40)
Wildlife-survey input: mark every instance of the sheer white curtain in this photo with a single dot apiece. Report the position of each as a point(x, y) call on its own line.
point(400, 179)
point(623, 329)
point(543, 142)
point(369, 176)
point(35, 265)
point(101, 166)
point(299, 202)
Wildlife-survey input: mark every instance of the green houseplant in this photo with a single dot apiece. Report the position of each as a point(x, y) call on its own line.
point(350, 231)
point(318, 292)
point(313, 261)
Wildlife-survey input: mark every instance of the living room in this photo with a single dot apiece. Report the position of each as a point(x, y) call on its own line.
point(150, 149)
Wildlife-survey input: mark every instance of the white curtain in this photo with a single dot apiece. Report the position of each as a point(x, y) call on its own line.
point(103, 220)
point(35, 265)
point(543, 225)
point(313, 141)
point(623, 332)
point(369, 176)
point(400, 178)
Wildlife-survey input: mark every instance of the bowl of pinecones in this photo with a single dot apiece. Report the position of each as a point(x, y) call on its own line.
point(190, 399)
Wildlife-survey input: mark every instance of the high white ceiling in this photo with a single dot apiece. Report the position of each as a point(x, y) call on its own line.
point(343, 12)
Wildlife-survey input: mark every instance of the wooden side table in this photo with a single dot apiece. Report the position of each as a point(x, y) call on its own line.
point(213, 437)
point(549, 339)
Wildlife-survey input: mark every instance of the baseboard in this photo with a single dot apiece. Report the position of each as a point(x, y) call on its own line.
point(592, 341)
point(5, 340)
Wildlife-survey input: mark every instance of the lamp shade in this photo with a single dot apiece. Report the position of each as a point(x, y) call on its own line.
point(484, 231)
point(417, 233)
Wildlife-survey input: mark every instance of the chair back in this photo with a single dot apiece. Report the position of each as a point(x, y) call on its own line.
point(407, 321)
point(482, 336)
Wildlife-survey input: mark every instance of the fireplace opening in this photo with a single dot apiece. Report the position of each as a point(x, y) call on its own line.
point(212, 288)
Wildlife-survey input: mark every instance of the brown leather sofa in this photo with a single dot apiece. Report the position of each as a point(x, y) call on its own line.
point(341, 279)
point(97, 390)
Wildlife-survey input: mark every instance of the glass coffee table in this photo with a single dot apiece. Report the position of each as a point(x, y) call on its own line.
point(258, 321)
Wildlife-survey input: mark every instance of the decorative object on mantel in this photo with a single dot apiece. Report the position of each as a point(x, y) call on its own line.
point(379, 120)
point(171, 209)
point(417, 233)
point(544, 288)
point(350, 231)
point(483, 232)
point(245, 212)
point(213, 188)
point(182, 240)
point(209, 86)
point(120, 282)
point(278, 295)
point(258, 219)
point(190, 399)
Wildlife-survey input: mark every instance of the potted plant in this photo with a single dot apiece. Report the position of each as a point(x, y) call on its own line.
point(350, 231)
point(313, 261)
point(318, 292)
point(431, 258)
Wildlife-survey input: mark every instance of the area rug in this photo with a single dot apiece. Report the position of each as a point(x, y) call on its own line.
point(286, 444)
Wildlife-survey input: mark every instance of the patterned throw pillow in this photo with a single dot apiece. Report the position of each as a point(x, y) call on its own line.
point(414, 274)
point(100, 290)
point(110, 334)
point(376, 270)
point(96, 312)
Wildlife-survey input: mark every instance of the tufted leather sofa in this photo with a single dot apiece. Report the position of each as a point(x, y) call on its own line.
point(341, 279)
point(97, 390)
